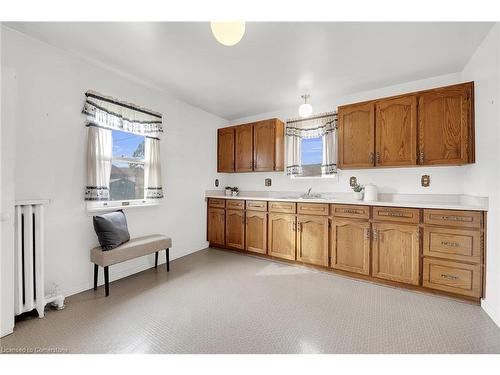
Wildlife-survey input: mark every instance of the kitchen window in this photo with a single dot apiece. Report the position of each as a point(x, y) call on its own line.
point(311, 146)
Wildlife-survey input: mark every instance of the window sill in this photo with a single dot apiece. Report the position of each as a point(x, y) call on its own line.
point(120, 205)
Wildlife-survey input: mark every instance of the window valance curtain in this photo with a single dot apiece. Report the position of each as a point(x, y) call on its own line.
point(323, 125)
point(111, 113)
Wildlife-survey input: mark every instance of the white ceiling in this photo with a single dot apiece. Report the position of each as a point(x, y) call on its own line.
point(274, 63)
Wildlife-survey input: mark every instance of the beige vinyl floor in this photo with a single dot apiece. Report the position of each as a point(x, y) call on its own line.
point(215, 301)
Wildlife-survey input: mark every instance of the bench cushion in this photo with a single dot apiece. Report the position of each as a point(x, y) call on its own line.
point(134, 248)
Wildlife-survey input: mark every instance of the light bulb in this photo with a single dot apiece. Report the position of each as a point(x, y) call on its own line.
point(305, 110)
point(228, 33)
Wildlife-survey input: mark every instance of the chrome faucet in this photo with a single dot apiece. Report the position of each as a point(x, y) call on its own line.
point(308, 194)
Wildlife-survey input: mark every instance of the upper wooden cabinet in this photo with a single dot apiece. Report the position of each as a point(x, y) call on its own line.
point(431, 127)
point(243, 161)
point(446, 132)
point(225, 150)
point(356, 136)
point(396, 132)
point(268, 151)
point(254, 147)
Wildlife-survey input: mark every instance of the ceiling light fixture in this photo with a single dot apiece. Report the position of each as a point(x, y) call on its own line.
point(305, 109)
point(228, 33)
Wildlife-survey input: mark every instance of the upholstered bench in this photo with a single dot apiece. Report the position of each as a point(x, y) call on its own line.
point(134, 248)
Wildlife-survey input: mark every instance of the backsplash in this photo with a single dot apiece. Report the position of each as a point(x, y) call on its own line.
point(444, 180)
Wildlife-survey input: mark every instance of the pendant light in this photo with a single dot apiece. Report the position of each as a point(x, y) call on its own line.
point(228, 33)
point(305, 109)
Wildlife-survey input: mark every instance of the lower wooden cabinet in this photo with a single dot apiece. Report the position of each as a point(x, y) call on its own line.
point(312, 239)
point(395, 252)
point(350, 245)
point(256, 232)
point(430, 249)
point(453, 277)
point(281, 235)
point(216, 226)
point(235, 229)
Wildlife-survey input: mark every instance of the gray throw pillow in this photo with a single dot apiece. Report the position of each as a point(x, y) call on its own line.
point(111, 229)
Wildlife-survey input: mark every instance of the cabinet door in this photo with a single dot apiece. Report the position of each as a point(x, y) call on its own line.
point(396, 252)
point(350, 245)
point(356, 136)
point(445, 126)
point(235, 229)
point(264, 146)
point(225, 150)
point(281, 235)
point(312, 239)
point(216, 225)
point(244, 148)
point(256, 232)
point(396, 132)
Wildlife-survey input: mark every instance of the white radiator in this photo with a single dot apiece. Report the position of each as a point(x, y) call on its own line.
point(29, 260)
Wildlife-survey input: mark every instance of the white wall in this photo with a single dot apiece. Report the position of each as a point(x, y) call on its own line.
point(50, 158)
point(391, 180)
point(483, 177)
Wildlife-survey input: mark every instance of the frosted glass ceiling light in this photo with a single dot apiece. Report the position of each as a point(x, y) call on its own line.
point(228, 33)
point(305, 109)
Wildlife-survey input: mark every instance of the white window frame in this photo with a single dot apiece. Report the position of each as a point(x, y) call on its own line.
point(102, 206)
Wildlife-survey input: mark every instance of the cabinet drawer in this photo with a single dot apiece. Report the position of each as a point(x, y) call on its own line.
point(471, 219)
point(453, 277)
point(455, 244)
point(350, 211)
point(256, 205)
point(312, 208)
point(216, 203)
point(235, 204)
point(283, 207)
point(404, 215)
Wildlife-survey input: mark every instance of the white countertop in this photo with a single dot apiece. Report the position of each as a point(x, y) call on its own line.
point(438, 201)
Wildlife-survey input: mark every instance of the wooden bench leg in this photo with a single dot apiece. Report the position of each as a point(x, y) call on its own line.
point(96, 269)
point(168, 259)
point(156, 259)
point(106, 280)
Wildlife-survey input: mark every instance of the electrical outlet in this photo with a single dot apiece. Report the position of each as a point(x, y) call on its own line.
point(353, 181)
point(216, 182)
point(425, 181)
point(267, 182)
